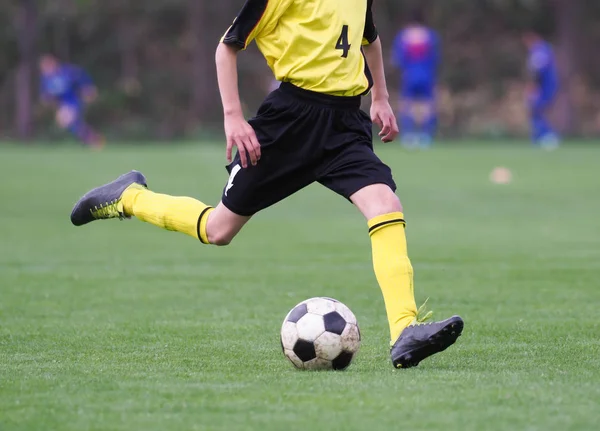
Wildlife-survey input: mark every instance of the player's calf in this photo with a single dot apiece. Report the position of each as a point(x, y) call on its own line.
point(128, 196)
point(71, 118)
point(413, 341)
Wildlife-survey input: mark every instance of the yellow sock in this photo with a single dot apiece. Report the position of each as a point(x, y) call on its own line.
point(393, 270)
point(175, 213)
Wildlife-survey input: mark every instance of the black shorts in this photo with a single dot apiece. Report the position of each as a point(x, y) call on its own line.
point(305, 137)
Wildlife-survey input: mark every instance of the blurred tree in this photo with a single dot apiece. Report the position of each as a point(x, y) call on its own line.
point(200, 52)
point(128, 31)
point(568, 18)
point(26, 29)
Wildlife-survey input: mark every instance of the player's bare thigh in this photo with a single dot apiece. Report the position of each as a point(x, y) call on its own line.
point(376, 200)
point(65, 116)
point(223, 225)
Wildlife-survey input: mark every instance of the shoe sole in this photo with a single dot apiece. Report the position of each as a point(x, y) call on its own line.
point(437, 343)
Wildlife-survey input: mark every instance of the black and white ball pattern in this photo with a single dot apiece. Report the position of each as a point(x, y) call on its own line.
point(320, 334)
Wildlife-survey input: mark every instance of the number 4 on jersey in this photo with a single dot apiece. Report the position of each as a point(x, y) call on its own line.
point(343, 43)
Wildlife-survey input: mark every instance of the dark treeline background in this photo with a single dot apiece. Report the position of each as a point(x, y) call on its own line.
point(153, 63)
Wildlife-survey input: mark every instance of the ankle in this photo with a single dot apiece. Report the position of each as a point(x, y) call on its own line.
point(129, 197)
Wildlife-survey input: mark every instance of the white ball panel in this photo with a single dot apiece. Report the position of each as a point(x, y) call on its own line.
point(289, 335)
point(310, 326)
point(328, 346)
point(351, 339)
point(293, 358)
point(318, 364)
point(320, 306)
point(345, 313)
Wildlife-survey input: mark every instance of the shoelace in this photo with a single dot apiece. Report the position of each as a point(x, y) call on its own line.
point(423, 315)
point(107, 210)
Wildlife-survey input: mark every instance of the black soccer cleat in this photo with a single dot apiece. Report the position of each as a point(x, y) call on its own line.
point(104, 202)
point(418, 342)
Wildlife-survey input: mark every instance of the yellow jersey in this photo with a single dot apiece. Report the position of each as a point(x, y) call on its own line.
point(313, 44)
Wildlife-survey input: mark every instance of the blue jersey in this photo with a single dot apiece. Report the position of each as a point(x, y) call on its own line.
point(416, 52)
point(542, 66)
point(66, 84)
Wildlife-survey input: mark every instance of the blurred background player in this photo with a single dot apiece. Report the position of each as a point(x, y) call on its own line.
point(543, 89)
point(416, 53)
point(69, 88)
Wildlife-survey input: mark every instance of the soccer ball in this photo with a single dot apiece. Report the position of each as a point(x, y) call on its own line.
point(320, 334)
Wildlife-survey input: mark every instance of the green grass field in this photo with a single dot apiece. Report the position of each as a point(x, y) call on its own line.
point(121, 326)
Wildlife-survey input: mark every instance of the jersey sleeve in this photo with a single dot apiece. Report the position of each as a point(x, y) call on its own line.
point(370, 34)
point(255, 18)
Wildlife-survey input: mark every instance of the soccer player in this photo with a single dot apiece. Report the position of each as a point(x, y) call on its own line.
point(309, 130)
point(543, 89)
point(69, 88)
point(416, 53)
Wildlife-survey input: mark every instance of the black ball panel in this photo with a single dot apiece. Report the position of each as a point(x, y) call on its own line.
point(305, 350)
point(297, 313)
point(334, 323)
point(342, 361)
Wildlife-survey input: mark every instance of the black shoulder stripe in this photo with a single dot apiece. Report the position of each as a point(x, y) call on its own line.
point(367, 74)
point(246, 21)
point(370, 33)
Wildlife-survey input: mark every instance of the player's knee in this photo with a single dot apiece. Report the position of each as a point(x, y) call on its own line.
point(376, 200)
point(223, 225)
point(386, 203)
point(63, 124)
point(220, 239)
point(66, 117)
